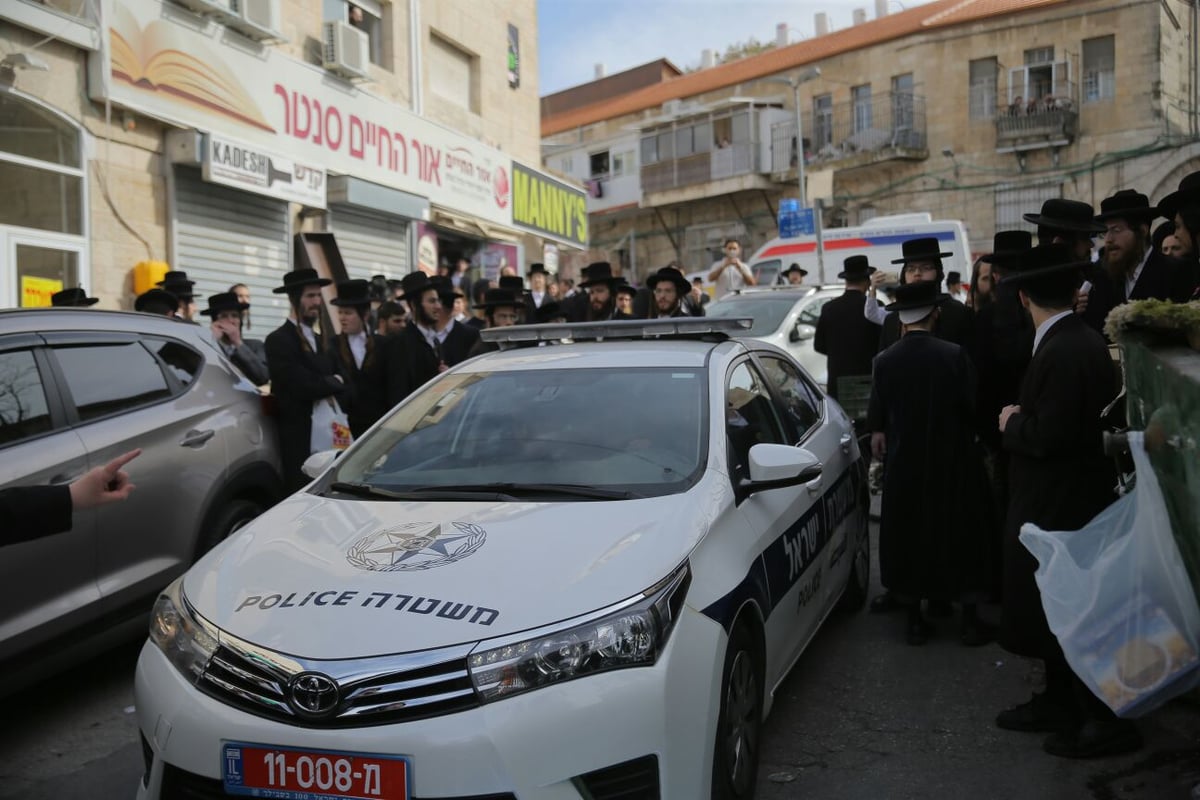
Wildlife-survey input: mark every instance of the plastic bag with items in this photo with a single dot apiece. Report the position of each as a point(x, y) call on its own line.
point(1119, 600)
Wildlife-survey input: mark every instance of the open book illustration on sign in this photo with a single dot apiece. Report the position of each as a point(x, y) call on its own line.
point(162, 58)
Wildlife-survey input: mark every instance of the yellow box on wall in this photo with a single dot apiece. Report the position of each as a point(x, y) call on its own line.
point(147, 273)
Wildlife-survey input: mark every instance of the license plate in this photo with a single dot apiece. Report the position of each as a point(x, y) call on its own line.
point(285, 774)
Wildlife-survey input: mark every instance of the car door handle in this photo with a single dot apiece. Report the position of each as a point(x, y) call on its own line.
point(63, 477)
point(195, 438)
point(845, 441)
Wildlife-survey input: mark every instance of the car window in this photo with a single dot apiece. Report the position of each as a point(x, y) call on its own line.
point(750, 416)
point(23, 409)
point(184, 362)
point(106, 378)
point(766, 272)
point(632, 429)
point(800, 401)
point(768, 311)
point(811, 312)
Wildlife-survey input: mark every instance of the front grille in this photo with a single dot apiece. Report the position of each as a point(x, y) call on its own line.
point(629, 780)
point(180, 785)
point(376, 691)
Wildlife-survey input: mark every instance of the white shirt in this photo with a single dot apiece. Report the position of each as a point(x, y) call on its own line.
point(1046, 325)
point(1131, 280)
point(537, 298)
point(358, 348)
point(731, 279)
point(873, 311)
point(308, 334)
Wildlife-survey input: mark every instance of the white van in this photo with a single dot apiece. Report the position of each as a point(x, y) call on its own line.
point(879, 240)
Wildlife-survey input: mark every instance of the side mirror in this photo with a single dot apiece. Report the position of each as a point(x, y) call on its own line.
point(773, 466)
point(317, 463)
point(801, 332)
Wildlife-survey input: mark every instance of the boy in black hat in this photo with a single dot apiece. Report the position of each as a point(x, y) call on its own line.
point(794, 275)
point(538, 285)
point(846, 338)
point(301, 370)
point(225, 310)
point(922, 261)
point(625, 295)
point(669, 287)
point(1059, 479)
point(1135, 269)
point(72, 298)
point(360, 357)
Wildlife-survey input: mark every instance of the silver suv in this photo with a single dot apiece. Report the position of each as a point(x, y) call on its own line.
point(78, 387)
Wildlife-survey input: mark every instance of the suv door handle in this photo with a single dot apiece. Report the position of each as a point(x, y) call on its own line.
point(845, 442)
point(63, 477)
point(195, 438)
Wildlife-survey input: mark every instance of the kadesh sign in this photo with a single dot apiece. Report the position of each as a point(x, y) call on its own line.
point(546, 206)
point(247, 167)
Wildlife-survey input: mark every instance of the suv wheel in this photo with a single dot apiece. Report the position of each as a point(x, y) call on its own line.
point(228, 519)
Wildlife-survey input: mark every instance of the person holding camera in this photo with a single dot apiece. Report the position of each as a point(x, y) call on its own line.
point(731, 273)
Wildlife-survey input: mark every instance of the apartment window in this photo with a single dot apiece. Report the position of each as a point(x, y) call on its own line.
point(623, 163)
point(567, 165)
point(902, 102)
point(1043, 84)
point(822, 121)
point(1039, 55)
point(984, 75)
point(369, 17)
point(453, 73)
point(683, 141)
point(598, 164)
point(861, 100)
point(650, 149)
point(1099, 69)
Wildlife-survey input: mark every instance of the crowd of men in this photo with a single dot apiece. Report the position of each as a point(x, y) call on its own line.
point(989, 414)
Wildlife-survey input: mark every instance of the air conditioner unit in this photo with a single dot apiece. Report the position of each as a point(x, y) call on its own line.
point(222, 9)
point(346, 49)
point(257, 19)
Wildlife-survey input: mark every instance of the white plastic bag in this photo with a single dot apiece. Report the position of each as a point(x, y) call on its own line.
point(1119, 600)
point(330, 427)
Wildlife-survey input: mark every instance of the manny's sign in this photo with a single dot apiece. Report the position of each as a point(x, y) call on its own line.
point(548, 207)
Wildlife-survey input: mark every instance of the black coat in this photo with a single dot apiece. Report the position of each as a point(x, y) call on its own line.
point(575, 307)
point(1162, 278)
point(954, 324)
point(1059, 477)
point(1102, 297)
point(251, 358)
point(457, 346)
point(365, 400)
point(1003, 345)
point(299, 377)
point(846, 338)
point(30, 512)
point(936, 532)
point(412, 361)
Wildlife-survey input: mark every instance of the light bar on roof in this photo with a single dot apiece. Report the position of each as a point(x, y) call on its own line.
point(620, 329)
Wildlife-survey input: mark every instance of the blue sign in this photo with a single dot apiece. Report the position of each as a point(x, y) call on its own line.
point(793, 223)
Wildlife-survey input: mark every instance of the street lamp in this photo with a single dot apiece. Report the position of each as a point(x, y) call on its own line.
point(804, 76)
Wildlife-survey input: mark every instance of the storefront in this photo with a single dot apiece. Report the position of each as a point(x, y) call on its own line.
point(374, 226)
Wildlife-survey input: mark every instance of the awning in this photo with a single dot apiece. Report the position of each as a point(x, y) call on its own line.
point(475, 228)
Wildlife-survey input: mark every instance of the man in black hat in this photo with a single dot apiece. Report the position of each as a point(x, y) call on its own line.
point(846, 338)
point(1071, 222)
point(538, 294)
point(922, 423)
point(455, 339)
point(501, 309)
point(669, 288)
point(72, 298)
point(360, 357)
point(176, 282)
point(598, 289)
point(1135, 269)
point(225, 310)
point(1059, 480)
point(301, 370)
point(412, 359)
point(922, 261)
point(794, 275)
point(623, 303)
point(157, 301)
point(516, 285)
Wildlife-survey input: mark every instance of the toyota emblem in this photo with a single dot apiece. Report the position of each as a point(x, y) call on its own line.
point(313, 694)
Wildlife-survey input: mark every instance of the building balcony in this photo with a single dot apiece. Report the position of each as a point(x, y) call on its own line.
point(1044, 125)
point(857, 134)
point(724, 170)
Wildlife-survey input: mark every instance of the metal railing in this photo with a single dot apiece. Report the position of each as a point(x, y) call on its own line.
point(724, 162)
point(885, 123)
point(1053, 120)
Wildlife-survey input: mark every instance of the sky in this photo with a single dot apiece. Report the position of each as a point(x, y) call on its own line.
point(574, 35)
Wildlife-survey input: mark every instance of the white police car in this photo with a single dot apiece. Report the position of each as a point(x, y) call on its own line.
point(573, 571)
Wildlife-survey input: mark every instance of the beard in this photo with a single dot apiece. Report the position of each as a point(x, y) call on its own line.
point(1120, 265)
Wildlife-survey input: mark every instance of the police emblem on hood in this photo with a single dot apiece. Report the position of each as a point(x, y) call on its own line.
point(415, 546)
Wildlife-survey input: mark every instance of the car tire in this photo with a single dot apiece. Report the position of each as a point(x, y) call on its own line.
point(854, 597)
point(225, 521)
point(739, 726)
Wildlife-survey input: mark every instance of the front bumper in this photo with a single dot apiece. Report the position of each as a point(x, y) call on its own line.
point(533, 746)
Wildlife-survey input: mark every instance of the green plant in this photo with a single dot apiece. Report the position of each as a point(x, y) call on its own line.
point(1153, 315)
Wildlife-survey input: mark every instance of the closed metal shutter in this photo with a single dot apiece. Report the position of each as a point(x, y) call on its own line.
point(370, 244)
point(223, 237)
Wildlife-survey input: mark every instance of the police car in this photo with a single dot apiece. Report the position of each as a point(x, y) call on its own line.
point(562, 570)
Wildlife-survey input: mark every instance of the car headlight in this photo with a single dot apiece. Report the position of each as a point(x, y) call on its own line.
point(183, 639)
point(632, 636)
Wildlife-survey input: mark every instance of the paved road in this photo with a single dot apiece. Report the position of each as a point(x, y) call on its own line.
point(862, 716)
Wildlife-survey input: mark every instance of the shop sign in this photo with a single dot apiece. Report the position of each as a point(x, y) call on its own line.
point(247, 167)
point(548, 207)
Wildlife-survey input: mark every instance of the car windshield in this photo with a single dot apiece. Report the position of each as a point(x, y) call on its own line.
point(640, 432)
point(767, 310)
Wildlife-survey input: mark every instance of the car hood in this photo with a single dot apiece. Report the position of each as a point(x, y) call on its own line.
point(317, 577)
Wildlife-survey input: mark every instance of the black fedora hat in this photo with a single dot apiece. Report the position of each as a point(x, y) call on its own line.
point(156, 301)
point(916, 300)
point(623, 287)
point(415, 284)
point(549, 311)
point(671, 274)
point(513, 283)
point(1187, 194)
point(953, 277)
point(596, 273)
point(75, 297)
point(223, 301)
point(538, 267)
point(495, 298)
point(176, 278)
point(925, 248)
point(1043, 261)
point(299, 278)
point(796, 268)
point(1008, 245)
point(1127, 205)
point(355, 292)
point(856, 268)
point(1065, 215)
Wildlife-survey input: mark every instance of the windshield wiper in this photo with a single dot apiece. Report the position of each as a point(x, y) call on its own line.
point(525, 489)
point(482, 492)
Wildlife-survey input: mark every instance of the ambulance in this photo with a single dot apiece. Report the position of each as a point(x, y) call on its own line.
point(879, 240)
